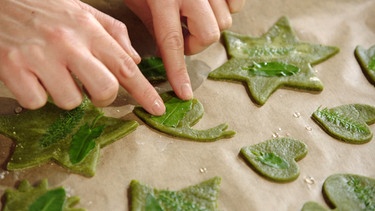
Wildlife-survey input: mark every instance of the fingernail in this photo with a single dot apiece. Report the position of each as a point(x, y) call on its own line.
point(186, 91)
point(158, 107)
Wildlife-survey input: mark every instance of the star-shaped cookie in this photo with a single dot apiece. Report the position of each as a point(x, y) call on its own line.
point(276, 59)
point(51, 133)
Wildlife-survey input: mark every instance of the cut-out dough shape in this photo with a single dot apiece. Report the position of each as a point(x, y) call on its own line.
point(276, 59)
point(348, 123)
point(275, 159)
point(202, 196)
point(46, 134)
point(179, 118)
point(29, 198)
point(346, 192)
point(366, 59)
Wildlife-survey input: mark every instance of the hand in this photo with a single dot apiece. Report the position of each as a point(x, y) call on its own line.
point(204, 20)
point(45, 44)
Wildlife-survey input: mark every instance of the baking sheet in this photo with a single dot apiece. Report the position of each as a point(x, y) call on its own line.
point(170, 163)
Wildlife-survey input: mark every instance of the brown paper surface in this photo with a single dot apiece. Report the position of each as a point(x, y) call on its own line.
point(171, 163)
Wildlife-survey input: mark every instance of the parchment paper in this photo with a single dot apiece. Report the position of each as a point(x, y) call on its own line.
point(170, 163)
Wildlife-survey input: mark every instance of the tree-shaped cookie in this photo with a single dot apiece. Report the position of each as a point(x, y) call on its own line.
point(71, 138)
point(276, 59)
point(348, 123)
point(202, 196)
point(275, 159)
point(179, 118)
point(39, 198)
point(366, 59)
point(346, 192)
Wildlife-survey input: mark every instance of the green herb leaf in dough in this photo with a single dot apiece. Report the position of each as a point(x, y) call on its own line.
point(29, 127)
point(83, 141)
point(179, 118)
point(39, 198)
point(176, 110)
point(51, 200)
point(202, 196)
point(347, 192)
point(270, 69)
point(347, 122)
point(153, 69)
point(278, 46)
point(276, 159)
point(270, 159)
point(366, 59)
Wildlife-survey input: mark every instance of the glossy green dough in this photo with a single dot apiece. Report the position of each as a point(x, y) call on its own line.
point(347, 192)
point(275, 159)
point(366, 59)
point(28, 198)
point(348, 123)
point(200, 197)
point(46, 134)
point(278, 46)
point(179, 118)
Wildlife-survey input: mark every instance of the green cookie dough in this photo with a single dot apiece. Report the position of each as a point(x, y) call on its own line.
point(366, 59)
point(275, 159)
point(276, 59)
point(28, 198)
point(347, 192)
point(179, 117)
point(71, 138)
point(348, 123)
point(202, 197)
point(153, 69)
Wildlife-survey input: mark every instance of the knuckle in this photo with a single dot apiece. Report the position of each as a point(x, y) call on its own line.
point(106, 93)
point(69, 103)
point(209, 37)
point(173, 40)
point(225, 22)
point(128, 67)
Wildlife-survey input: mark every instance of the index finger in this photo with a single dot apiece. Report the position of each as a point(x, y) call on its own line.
point(168, 35)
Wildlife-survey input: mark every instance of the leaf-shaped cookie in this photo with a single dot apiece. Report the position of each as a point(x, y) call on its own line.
point(202, 196)
point(347, 122)
point(347, 192)
point(276, 59)
point(47, 133)
point(366, 59)
point(276, 159)
point(28, 198)
point(179, 118)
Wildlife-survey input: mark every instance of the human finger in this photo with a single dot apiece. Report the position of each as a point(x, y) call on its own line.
point(25, 86)
point(222, 14)
point(235, 5)
point(202, 25)
point(101, 84)
point(127, 72)
point(168, 35)
point(60, 85)
point(116, 29)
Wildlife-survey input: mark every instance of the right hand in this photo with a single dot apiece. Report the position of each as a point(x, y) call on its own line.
point(44, 44)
